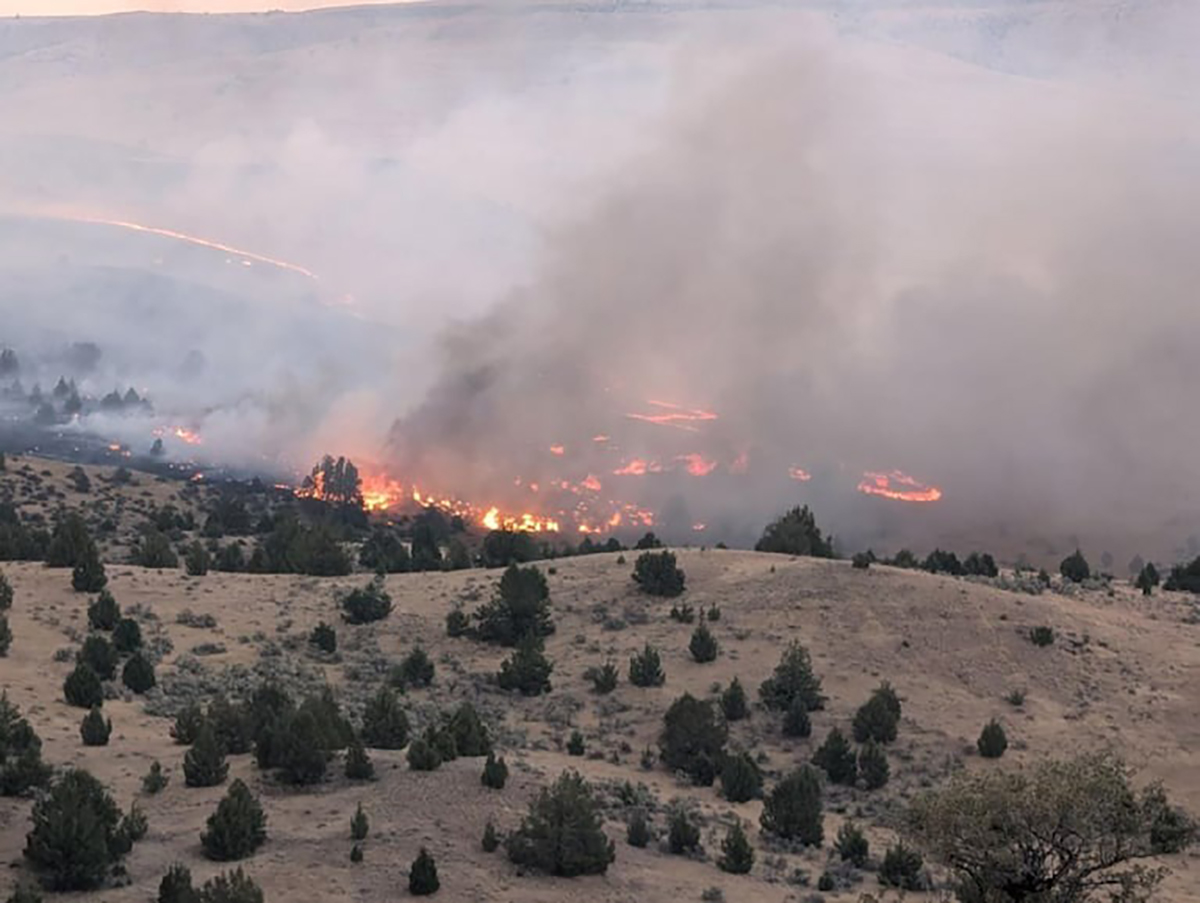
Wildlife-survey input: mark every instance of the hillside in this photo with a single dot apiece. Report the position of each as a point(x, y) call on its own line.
point(1122, 671)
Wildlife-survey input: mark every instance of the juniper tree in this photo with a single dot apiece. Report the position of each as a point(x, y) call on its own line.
point(104, 612)
point(796, 722)
point(88, 575)
point(490, 840)
point(385, 726)
point(693, 739)
point(416, 670)
point(21, 766)
point(703, 646)
point(471, 737)
point(127, 636)
point(733, 701)
point(638, 833)
point(527, 669)
point(6, 636)
point(324, 638)
point(154, 781)
point(737, 856)
point(873, 765)
point(237, 828)
point(423, 876)
point(98, 653)
point(992, 740)
point(741, 778)
point(836, 758)
point(495, 772)
point(231, 887)
point(422, 756)
point(358, 764)
point(657, 574)
point(94, 729)
point(795, 533)
point(359, 824)
point(645, 668)
point(520, 608)
point(82, 687)
point(878, 718)
point(138, 673)
point(851, 844)
point(683, 834)
point(204, 764)
point(562, 833)
point(792, 810)
point(603, 678)
point(793, 679)
point(75, 839)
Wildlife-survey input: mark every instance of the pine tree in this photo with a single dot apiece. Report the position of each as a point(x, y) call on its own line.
point(6, 591)
point(733, 701)
point(88, 575)
point(576, 745)
point(300, 750)
point(24, 893)
point(873, 765)
point(324, 638)
point(204, 764)
point(836, 758)
point(237, 828)
point(359, 824)
point(878, 718)
point(358, 764)
point(703, 646)
point(423, 876)
point(491, 840)
point(562, 833)
point(138, 673)
point(82, 687)
point(793, 679)
point(75, 839)
point(356, 853)
point(520, 608)
point(495, 773)
point(741, 778)
point(385, 726)
point(737, 856)
point(645, 668)
point(104, 613)
point(792, 810)
point(604, 678)
point(94, 729)
point(197, 560)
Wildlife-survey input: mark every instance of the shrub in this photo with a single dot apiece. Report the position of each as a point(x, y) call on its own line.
point(1075, 567)
point(603, 678)
point(683, 834)
point(300, 749)
point(154, 781)
point(733, 702)
point(527, 669)
point(356, 853)
point(792, 810)
point(825, 883)
point(423, 876)
point(741, 778)
point(230, 887)
point(940, 562)
point(495, 773)
point(1184, 578)
point(793, 679)
point(138, 673)
point(836, 758)
point(385, 726)
point(684, 614)
point(76, 837)
point(88, 575)
point(876, 719)
point(638, 833)
point(127, 636)
point(657, 574)
point(504, 548)
point(693, 739)
point(645, 668)
point(416, 670)
point(703, 646)
point(359, 824)
point(873, 766)
point(82, 687)
point(796, 722)
point(851, 844)
point(714, 613)
point(1171, 830)
point(94, 729)
point(237, 828)
point(422, 756)
point(358, 764)
point(6, 636)
point(471, 737)
point(981, 564)
point(69, 542)
point(795, 533)
point(862, 560)
point(21, 766)
point(366, 604)
point(440, 738)
point(324, 638)
point(1147, 579)
point(176, 886)
point(901, 868)
point(204, 764)
point(520, 608)
point(197, 560)
point(134, 825)
point(576, 745)
point(562, 833)
point(187, 724)
point(103, 613)
point(99, 654)
point(1041, 636)
point(737, 856)
point(491, 840)
point(154, 551)
point(992, 740)
point(457, 623)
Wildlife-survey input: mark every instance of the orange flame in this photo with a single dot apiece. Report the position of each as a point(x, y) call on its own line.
point(889, 486)
point(557, 450)
point(799, 473)
point(698, 465)
point(674, 415)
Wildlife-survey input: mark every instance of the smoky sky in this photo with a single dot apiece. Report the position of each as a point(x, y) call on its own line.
point(956, 243)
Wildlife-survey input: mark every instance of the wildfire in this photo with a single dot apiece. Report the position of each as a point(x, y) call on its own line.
point(674, 415)
point(379, 492)
point(799, 473)
point(698, 465)
point(182, 433)
point(898, 486)
point(532, 523)
point(557, 450)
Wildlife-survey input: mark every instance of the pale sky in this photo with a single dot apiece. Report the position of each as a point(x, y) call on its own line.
point(99, 7)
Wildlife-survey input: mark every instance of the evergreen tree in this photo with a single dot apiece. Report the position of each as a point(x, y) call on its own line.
point(324, 638)
point(24, 893)
point(385, 726)
point(521, 608)
point(422, 756)
point(491, 840)
point(82, 687)
point(416, 670)
point(792, 810)
point(138, 673)
point(99, 654)
point(795, 533)
point(69, 543)
point(901, 867)
point(94, 729)
point(237, 828)
point(683, 834)
point(75, 839)
point(793, 679)
point(176, 886)
point(127, 636)
point(197, 561)
point(1147, 579)
point(693, 739)
point(204, 764)
point(300, 749)
point(604, 678)
point(645, 668)
point(527, 669)
point(366, 604)
point(231, 887)
point(733, 702)
point(470, 733)
point(703, 646)
point(992, 740)
point(154, 781)
point(796, 722)
point(836, 758)
point(358, 764)
point(423, 876)
point(638, 833)
point(88, 575)
point(495, 772)
point(737, 856)
point(6, 636)
point(576, 745)
point(873, 765)
point(876, 719)
point(104, 613)
point(851, 844)
point(1075, 567)
point(562, 833)
point(741, 778)
point(21, 766)
point(359, 824)
point(657, 574)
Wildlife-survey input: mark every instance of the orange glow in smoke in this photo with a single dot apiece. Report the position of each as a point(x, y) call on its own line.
point(557, 450)
point(698, 465)
point(670, 414)
point(799, 473)
point(898, 486)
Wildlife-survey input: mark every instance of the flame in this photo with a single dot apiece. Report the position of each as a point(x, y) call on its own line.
point(799, 473)
point(191, 437)
point(698, 465)
point(887, 485)
point(637, 467)
point(674, 415)
point(557, 450)
point(593, 483)
point(699, 526)
point(380, 493)
point(530, 523)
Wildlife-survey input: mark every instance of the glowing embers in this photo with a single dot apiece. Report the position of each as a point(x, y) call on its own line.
point(898, 486)
point(668, 414)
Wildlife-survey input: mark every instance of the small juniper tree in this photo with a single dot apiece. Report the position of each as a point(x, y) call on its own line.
point(385, 726)
point(138, 673)
point(562, 833)
point(237, 828)
point(6, 592)
point(103, 613)
point(902, 868)
point(324, 638)
point(873, 766)
point(645, 668)
point(417, 669)
point(197, 560)
point(358, 764)
point(741, 778)
point(792, 810)
point(795, 533)
point(423, 876)
point(576, 746)
point(793, 679)
point(366, 604)
point(495, 772)
point(851, 844)
point(992, 740)
point(520, 608)
point(693, 739)
point(422, 756)
point(98, 653)
point(657, 574)
point(457, 623)
point(231, 887)
point(154, 781)
point(21, 766)
point(638, 833)
point(176, 886)
point(796, 722)
point(127, 636)
point(88, 575)
point(703, 646)
point(737, 856)
point(94, 729)
point(836, 758)
point(1075, 567)
point(527, 669)
point(603, 677)
point(1147, 579)
point(188, 722)
point(471, 738)
point(491, 840)
point(359, 824)
point(76, 837)
point(82, 687)
point(683, 834)
point(356, 853)
point(733, 701)
point(878, 718)
point(204, 764)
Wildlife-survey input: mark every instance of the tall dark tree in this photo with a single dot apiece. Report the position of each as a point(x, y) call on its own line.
point(21, 766)
point(237, 828)
point(521, 607)
point(792, 810)
point(562, 833)
point(335, 481)
point(75, 839)
point(793, 680)
point(693, 739)
point(795, 533)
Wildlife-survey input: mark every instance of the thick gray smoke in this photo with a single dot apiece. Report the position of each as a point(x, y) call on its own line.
point(890, 236)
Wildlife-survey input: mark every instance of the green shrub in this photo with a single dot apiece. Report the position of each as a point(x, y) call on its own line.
point(527, 669)
point(231, 887)
point(204, 764)
point(300, 749)
point(359, 824)
point(1147, 578)
point(825, 883)
point(82, 688)
point(76, 837)
point(324, 638)
point(176, 886)
point(471, 738)
point(6, 593)
point(703, 646)
point(416, 670)
point(237, 828)
point(88, 575)
point(876, 719)
point(99, 654)
point(423, 876)
point(422, 756)
point(504, 548)
point(657, 574)
point(683, 834)
point(836, 758)
point(992, 740)
point(197, 560)
point(940, 562)
point(862, 560)
point(94, 729)
point(645, 668)
point(981, 564)
point(495, 772)
point(366, 604)
point(154, 551)
point(1075, 567)
point(188, 722)
point(901, 868)
point(873, 766)
point(1041, 636)
point(356, 853)
point(741, 778)
point(154, 781)
point(457, 623)
point(104, 613)
point(21, 766)
point(637, 832)
point(792, 810)
point(603, 678)
point(796, 722)
point(562, 833)
point(138, 673)
point(795, 533)
point(733, 702)
point(127, 636)
point(520, 608)
point(385, 726)
point(491, 840)
point(358, 764)
point(684, 614)
point(693, 739)
point(793, 679)
point(576, 745)
point(851, 844)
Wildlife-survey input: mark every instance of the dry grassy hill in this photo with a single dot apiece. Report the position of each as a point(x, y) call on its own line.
point(1123, 671)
